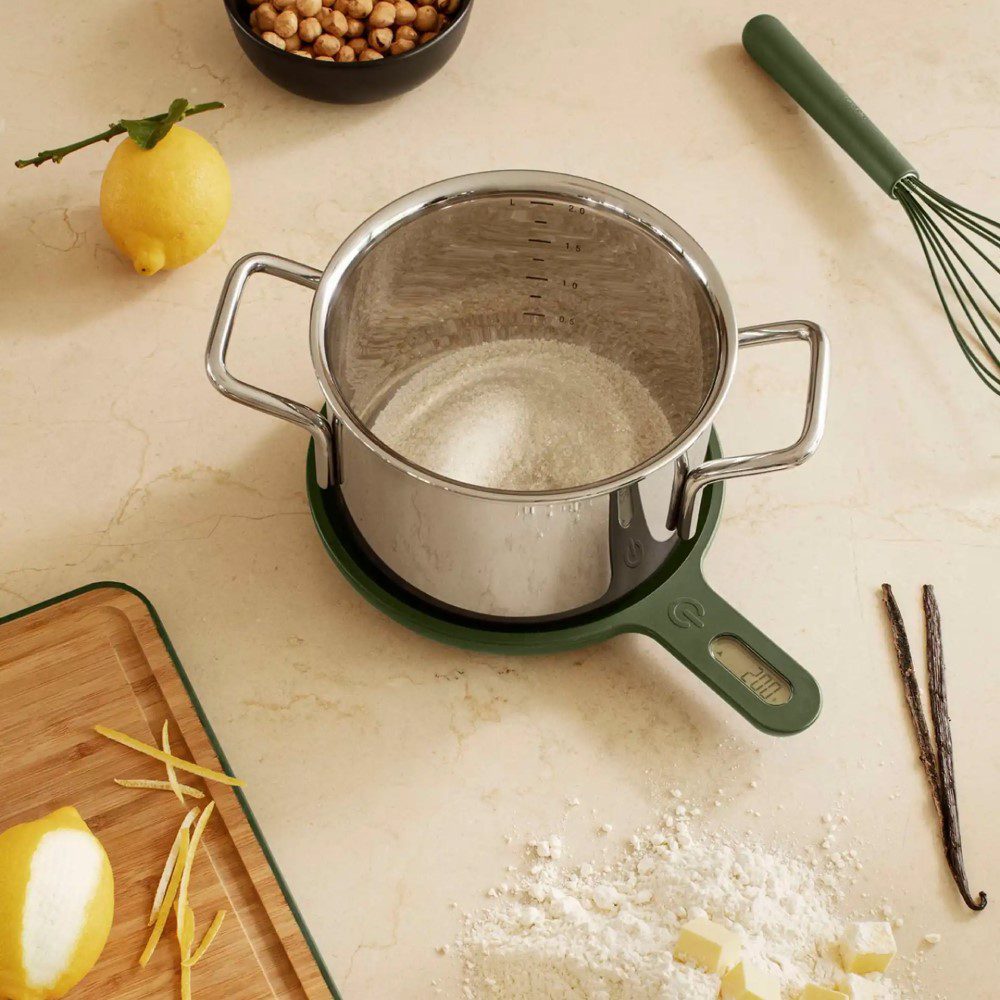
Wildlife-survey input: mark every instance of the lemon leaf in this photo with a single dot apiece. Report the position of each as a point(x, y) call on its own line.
point(147, 132)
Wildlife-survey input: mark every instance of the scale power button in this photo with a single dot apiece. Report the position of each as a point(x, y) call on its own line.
point(687, 613)
point(633, 553)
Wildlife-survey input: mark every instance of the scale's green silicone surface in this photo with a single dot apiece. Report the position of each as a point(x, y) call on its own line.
point(780, 54)
point(676, 607)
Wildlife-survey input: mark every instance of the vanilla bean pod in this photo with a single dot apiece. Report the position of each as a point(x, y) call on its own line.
point(945, 752)
point(925, 749)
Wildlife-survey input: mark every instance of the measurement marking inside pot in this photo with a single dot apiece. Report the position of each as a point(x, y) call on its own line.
point(535, 277)
point(538, 260)
point(534, 239)
point(534, 296)
point(541, 222)
point(542, 315)
point(550, 203)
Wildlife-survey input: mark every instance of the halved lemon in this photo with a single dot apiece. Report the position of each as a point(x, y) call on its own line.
point(57, 904)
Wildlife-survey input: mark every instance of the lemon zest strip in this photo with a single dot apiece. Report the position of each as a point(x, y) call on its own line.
point(207, 940)
point(185, 938)
point(168, 900)
point(185, 982)
point(182, 895)
point(168, 868)
point(175, 785)
point(158, 786)
point(166, 758)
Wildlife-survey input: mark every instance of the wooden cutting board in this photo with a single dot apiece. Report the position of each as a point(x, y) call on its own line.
point(99, 655)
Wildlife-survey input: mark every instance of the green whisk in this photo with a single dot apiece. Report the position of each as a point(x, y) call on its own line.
point(945, 229)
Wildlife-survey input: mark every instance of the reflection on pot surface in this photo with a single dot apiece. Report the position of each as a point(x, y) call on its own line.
point(526, 256)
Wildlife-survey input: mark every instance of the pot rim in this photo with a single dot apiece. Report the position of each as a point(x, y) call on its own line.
point(524, 182)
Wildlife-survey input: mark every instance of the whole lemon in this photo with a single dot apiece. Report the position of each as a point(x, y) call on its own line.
point(57, 901)
point(166, 205)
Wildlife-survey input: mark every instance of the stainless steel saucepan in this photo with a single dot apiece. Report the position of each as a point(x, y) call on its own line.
point(518, 254)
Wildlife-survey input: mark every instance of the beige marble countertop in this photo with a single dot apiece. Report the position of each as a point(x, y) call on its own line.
point(384, 769)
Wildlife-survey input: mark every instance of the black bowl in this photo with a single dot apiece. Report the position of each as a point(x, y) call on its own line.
point(347, 83)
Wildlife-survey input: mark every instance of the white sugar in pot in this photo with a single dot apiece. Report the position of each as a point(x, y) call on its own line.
point(503, 255)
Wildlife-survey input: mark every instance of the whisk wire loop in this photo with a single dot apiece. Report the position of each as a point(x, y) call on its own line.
point(947, 231)
point(933, 215)
point(951, 212)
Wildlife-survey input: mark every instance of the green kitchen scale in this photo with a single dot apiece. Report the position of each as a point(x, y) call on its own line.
point(675, 607)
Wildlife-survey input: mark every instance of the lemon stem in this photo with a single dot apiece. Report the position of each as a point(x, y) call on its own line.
point(118, 128)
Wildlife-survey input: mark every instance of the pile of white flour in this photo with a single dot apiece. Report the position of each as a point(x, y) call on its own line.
point(524, 415)
point(607, 932)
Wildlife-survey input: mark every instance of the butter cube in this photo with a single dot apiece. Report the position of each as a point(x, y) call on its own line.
point(707, 945)
point(859, 988)
point(747, 982)
point(814, 992)
point(867, 947)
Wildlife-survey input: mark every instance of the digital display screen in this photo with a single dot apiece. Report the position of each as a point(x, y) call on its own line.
point(751, 671)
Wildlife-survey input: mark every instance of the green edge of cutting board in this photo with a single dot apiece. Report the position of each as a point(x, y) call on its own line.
point(676, 607)
point(216, 746)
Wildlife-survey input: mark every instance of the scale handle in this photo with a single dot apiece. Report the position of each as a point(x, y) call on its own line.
point(763, 683)
point(783, 57)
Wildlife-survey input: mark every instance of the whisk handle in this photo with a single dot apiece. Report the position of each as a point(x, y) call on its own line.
point(783, 57)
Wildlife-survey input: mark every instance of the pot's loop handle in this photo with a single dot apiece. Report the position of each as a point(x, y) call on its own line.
point(250, 395)
point(710, 637)
point(718, 469)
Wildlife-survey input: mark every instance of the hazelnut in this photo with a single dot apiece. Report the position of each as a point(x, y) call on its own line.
point(303, 52)
point(359, 8)
point(281, 5)
point(370, 55)
point(355, 28)
point(383, 15)
point(333, 22)
point(380, 39)
point(346, 54)
point(327, 3)
point(406, 34)
point(272, 39)
point(427, 36)
point(401, 46)
point(358, 44)
point(405, 12)
point(323, 58)
point(341, 5)
point(310, 29)
point(426, 18)
point(265, 16)
point(326, 45)
point(253, 19)
point(308, 8)
point(286, 24)
point(293, 43)
point(447, 6)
